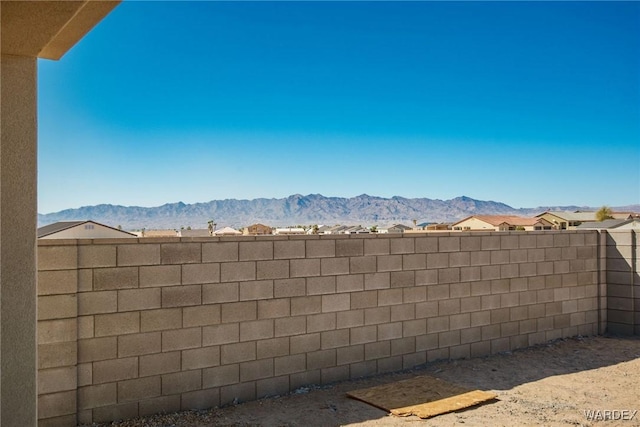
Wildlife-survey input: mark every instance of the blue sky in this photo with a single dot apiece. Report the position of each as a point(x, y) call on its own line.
point(530, 104)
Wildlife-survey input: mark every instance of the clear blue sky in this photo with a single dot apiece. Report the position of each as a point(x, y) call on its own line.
point(529, 104)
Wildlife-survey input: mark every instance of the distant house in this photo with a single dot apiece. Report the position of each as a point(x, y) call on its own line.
point(227, 231)
point(81, 230)
point(159, 233)
point(395, 229)
point(194, 232)
point(257, 230)
point(289, 230)
point(611, 224)
point(501, 223)
point(567, 220)
point(357, 229)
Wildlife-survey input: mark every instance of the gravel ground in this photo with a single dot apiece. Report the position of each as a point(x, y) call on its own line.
point(553, 384)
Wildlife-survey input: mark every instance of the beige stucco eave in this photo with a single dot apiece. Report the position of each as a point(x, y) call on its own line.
point(48, 29)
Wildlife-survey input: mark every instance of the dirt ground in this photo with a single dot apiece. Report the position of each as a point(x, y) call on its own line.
point(553, 384)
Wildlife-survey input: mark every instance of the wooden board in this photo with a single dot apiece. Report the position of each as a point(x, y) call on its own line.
point(423, 396)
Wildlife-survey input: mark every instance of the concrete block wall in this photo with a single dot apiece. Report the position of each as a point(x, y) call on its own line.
point(623, 281)
point(136, 327)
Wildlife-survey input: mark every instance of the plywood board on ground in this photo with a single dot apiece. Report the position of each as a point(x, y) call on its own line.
point(423, 396)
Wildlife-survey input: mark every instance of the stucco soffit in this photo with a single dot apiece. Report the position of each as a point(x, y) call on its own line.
point(48, 29)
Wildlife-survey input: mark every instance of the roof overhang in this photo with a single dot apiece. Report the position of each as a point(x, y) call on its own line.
point(48, 29)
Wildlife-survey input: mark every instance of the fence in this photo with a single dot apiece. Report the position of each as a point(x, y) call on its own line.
point(135, 327)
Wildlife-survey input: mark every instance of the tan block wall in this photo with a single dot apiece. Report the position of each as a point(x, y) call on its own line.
point(623, 281)
point(140, 326)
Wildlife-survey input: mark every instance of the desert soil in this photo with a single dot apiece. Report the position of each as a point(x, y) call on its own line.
point(547, 385)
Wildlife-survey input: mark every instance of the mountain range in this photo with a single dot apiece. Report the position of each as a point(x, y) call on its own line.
point(298, 209)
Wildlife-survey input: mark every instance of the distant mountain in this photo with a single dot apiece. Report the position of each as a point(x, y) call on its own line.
point(297, 209)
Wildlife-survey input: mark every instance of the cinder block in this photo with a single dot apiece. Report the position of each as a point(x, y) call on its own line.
point(459, 321)
point(320, 248)
point(95, 396)
point(139, 344)
point(349, 319)
point(390, 296)
point(350, 283)
point(435, 324)
point(91, 256)
point(321, 322)
point(180, 253)
point(404, 245)
point(376, 247)
point(257, 369)
point(402, 346)
point(238, 271)
point(304, 343)
point(289, 326)
point(200, 399)
point(221, 334)
point(499, 345)
point(306, 305)
point(57, 306)
point(181, 296)
point(138, 389)
point(290, 364)
point(254, 290)
point(426, 309)
point(510, 299)
point(57, 257)
point(389, 364)
point(85, 374)
point(105, 279)
point(414, 261)
point(377, 315)
point(220, 376)
point(391, 262)
point(160, 363)
point(56, 331)
point(97, 302)
point(437, 292)
point(193, 274)
point(336, 302)
point(199, 358)
point(333, 339)
point(57, 355)
point(412, 328)
point(138, 299)
point(160, 275)
point(57, 282)
point(253, 250)
point(274, 308)
point(321, 285)
point(138, 254)
point(274, 347)
point(426, 342)
point(401, 279)
point(362, 264)
point(278, 269)
point(481, 318)
point(411, 360)
point(181, 382)
point(480, 258)
point(181, 339)
point(106, 371)
point(333, 266)
point(256, 330)
point(158, 320)
point(500, 257)
point(55, 380)
point(490, 332)
point(377, 350)
point(518, 313)
point(239, 311)
point(305, 267)
point(220, 252)
point(117, 324)
point(426, 244)
point(403, 312)
point(378, 280)
point(201, 315)
point(426, 277)
point(470, 335)
point(534, 255)
point(349, 247)
point(321, 359)
point(289, 249)
point(56, 404)
point(459, 259)
point(284, 288)
point(364, 334)
point(509, 329)
point(415, 294)
point(238, 352)
point(449, 244)
point(220, 293)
